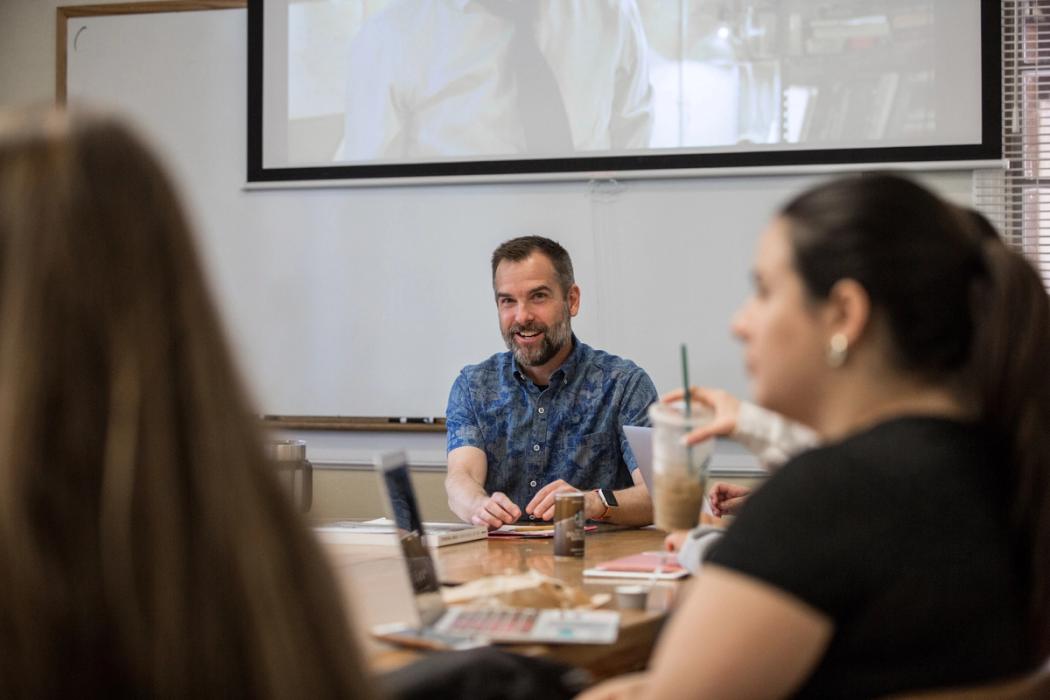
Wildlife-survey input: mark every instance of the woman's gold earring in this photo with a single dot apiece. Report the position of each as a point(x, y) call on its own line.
point(838, 350)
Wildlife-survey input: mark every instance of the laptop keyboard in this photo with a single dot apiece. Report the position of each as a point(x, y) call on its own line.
point(532, 624)
point(494, 622)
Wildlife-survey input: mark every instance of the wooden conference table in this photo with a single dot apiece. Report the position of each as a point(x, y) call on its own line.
point(377, 590)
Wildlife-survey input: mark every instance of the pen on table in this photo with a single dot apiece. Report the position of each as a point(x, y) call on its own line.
point(407, 419)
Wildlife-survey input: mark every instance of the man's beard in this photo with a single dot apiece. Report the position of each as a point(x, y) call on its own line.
point(554, 339)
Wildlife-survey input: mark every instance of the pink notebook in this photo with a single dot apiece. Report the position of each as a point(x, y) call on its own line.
point(645, 565)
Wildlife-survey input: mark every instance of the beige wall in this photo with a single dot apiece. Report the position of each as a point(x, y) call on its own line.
point(353, 493)
point(27, 48)
point(347, 493)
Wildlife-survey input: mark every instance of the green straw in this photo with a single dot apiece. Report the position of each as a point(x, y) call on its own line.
point(685, 381)
point(688, 399)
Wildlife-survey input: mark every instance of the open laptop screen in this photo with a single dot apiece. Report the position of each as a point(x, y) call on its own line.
point(397, 482)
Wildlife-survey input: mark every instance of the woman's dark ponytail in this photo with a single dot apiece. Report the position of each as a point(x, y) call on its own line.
point(1011, 365)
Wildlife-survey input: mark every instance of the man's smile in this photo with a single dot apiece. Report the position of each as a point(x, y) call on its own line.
point(528, 337)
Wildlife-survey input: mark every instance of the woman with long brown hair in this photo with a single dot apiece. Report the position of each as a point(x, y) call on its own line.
point(145, 547)
point(912, 549)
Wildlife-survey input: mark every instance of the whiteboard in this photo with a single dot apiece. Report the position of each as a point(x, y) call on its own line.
point(367, 302)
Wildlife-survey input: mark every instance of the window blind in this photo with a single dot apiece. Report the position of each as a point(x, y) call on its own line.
point(1017, 199)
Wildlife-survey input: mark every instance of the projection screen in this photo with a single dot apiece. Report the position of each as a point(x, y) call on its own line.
point(366, 90)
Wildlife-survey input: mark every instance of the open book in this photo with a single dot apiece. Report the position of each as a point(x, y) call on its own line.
point(657, 566)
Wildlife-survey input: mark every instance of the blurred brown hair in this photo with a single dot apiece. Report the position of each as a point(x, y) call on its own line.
point(145, 546)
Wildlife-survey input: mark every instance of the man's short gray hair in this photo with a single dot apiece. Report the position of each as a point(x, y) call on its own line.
point(517, 249)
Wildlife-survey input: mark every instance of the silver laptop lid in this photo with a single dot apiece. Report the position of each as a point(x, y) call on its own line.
point(404, 510)
point(640, 440)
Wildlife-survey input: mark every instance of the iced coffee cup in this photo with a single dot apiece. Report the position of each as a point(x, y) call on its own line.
point(679, 472)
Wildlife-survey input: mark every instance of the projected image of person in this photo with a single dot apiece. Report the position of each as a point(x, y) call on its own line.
point(692, 67)
point(468, 78)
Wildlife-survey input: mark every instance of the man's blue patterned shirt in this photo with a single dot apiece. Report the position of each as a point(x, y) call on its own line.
point(571, 430)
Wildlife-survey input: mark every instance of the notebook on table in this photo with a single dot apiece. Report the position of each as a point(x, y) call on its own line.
point(656, 566)
point(460, 627)
point(383, 531)
point(531, 531)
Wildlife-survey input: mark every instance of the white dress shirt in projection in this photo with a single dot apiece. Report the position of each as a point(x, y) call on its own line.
point(452, 79)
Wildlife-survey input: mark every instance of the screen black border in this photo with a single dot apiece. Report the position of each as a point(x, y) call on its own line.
point(990, 147)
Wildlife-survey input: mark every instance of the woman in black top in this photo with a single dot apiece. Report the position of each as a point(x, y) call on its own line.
point(912, 550)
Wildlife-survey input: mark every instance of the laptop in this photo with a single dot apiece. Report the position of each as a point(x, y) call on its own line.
point(461, 627)
point(640, 439)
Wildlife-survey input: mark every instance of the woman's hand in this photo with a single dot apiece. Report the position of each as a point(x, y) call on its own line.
point(725, 406)
point(726, 499)
point(673, 541)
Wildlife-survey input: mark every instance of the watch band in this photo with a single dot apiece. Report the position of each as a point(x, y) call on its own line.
point(601, 499)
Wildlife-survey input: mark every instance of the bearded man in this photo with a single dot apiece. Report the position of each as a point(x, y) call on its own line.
point(548, 415)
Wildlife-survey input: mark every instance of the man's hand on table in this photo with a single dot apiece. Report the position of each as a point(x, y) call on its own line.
point(542, 504)
point(495, 511)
